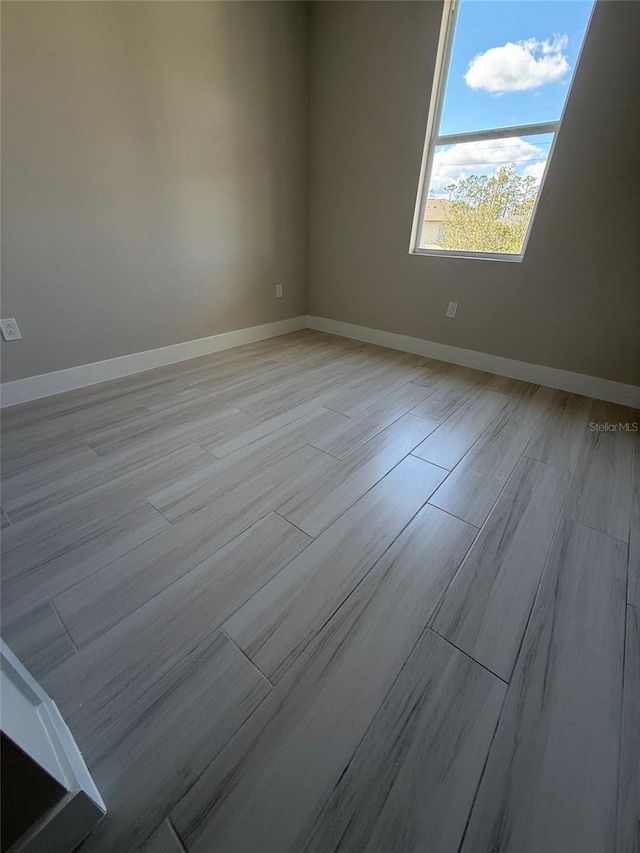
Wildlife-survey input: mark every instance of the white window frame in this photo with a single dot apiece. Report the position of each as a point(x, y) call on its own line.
point(432, 140)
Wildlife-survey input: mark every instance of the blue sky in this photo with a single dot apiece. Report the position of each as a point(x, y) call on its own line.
point(486, 24)
point(511, 64)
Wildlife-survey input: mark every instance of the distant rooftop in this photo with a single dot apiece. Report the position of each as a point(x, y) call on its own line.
point(437, 209)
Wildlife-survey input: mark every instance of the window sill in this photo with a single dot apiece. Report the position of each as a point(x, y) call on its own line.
point(476, 256)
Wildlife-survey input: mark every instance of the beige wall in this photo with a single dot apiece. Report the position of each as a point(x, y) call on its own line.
point(574, 302)
point(155, 185)
point(154, 174)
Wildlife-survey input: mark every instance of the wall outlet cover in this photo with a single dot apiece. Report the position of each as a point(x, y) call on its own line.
point(452, 309)
point(279, 291)
point(10, 329)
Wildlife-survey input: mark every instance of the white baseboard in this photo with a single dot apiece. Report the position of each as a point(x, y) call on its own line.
point(46, 384)
point(552, 377)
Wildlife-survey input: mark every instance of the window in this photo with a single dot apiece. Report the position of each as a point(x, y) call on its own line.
point(502, 78)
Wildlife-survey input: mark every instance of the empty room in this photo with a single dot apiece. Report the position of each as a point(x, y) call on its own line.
point(320, 426)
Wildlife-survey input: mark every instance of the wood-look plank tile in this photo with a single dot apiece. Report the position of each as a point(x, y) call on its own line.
point(633, 593)
point(295, 372)
point(13, 418)
point(385, 367)
point(211, 379)
point(369, 391)
point(600, 494)
point(473, 487)
point(31, 461)
point(557, 439)
point(190, 493)
point(103, 486)
point(264, 427)
point(40, 563)
point(347, 437)
point(156, 435)
point(274, 626)
point(135, 391)
point(193, 553)
point(163, 840)
point(450, 391)
point(509, 386)
point(320, 502)
point(551, 779)
point(27, 545)
point(47, 472)
point(152, 754)
point(352, 401)
point(44, 423)
point(64, 432)
point(279, 396)
point(434, 371)
point(39, 639)
point(33, 495)
point(147, 599)
point(212, 369)
point(267, 787)
point(628, 834)
point(411, 782)
point(485, 610)
point(207, 396)
point(142, 389)
point(452, 439)
point(120, 666)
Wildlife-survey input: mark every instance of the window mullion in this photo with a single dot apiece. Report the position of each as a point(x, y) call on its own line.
point(498, 133)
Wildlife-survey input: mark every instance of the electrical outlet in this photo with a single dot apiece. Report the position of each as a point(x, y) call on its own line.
point(279, 291)
point(452, 309)
point(10, 329)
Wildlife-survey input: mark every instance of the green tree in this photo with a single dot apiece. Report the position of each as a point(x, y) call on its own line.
point(489, 213)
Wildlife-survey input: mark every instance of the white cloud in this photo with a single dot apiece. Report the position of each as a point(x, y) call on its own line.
point(483, 157)
point(535, 170)
point(515, 67)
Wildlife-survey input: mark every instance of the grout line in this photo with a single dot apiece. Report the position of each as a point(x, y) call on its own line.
point(595, 530)
point(544, 462)
point(210, 452)
point(621, 721)
point(478, 527)
point(428, 461)
point(62, 622)
point(482, 772)
point(160, 513)
point(326, 452)
point(288, 520)
point(174, 832)
point(466, 654)
point(635, 461)
point(540, 581)
point(319, 450)
point(246, 656)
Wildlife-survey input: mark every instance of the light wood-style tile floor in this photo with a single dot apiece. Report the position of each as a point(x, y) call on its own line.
point(315, 595)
